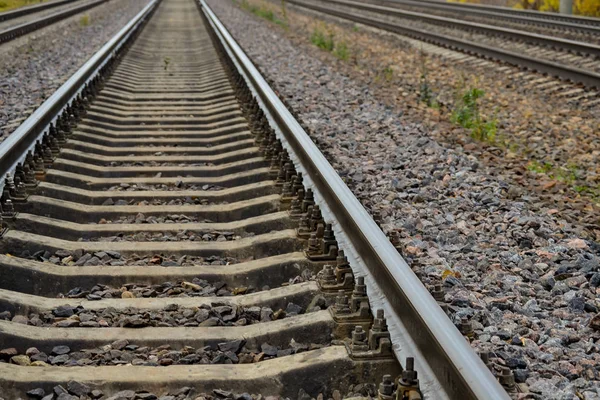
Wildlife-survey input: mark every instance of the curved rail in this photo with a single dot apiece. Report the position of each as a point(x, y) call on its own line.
point(23, 29)
point(577, 75)
point(19, 12)
point(456, 370)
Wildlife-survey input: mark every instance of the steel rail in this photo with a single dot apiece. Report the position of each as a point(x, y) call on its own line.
point(576, 75)
point(573, 19)
point(450, 7)
point(14, 149)
point(457, 371)
point(19, 12)
point(27, 27)
point(590, 28)
point(533, 38)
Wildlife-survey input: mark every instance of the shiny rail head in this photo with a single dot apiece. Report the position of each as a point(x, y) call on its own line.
point(451, 368)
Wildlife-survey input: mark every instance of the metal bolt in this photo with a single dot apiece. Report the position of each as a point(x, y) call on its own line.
point(342, 260)
point(297, 184)
point(304, 224)
point(328, 234)
point(485, 357)
point(386, 387)
point(341, 303)
point(313, 244)
point(286, 191)
point(409, 375)
point(379, 322)
point(19, 188)
point(359, 339)
point(438, 292)
point(327, 275)
point(8, 208)
point(465, 327)
point(506, 378)
point(360, 289)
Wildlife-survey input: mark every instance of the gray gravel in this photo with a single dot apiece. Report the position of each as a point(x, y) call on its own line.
point(34, 66)
point(215, 314)
point(522, 275)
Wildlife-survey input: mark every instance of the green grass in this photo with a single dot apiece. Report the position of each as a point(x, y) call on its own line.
point(467, 114)
point(322, 40)
point(6, 5)
point(567, 174)
point(341, 51)
point(84, 20)
point(325, 40)
point(266, 13)
point(388, 73)
point(539, 168)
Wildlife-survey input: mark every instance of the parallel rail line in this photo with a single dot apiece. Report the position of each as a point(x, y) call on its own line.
point(167, 156)
point(532, 14)
point(526, 17)
point(38, 23)
point(577, 75)
point(549, 41)
point(5, 16)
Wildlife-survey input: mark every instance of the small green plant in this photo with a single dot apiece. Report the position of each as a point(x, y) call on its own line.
point(466, 113)
point(539, 168)
point(567, 174)
point(84, 20)
point(341, 51)
point(388, 73)
point(266, 13)
point(166, 62)
point(322, 40)
point(425, 92)
point(326, 41)
point(284, 11)
point(355, 28)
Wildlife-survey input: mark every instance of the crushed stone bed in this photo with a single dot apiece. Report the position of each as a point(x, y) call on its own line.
point(215, 314)
point(525, 277)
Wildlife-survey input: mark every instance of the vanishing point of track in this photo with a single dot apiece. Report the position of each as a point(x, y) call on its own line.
point(167, 158)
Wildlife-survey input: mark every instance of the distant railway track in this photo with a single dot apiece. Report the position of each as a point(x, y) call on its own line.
point(585, 72)
point(6, 15)
point(167, 157)
point(30, 22)
point(576, 22)
point(589, 33)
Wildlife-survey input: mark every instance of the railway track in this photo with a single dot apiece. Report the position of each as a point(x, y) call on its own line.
point(580, 69)
point(576, 28)
point(14, 24)
point(12, 14)
point(528, 14)
point(169, 227)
